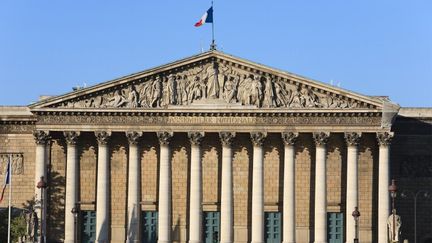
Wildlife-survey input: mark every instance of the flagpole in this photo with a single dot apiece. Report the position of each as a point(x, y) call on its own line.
point(213, 44)
point(10, 197)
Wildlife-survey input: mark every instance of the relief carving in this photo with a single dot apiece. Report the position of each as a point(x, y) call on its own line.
point(17, 166)
point(214, 80)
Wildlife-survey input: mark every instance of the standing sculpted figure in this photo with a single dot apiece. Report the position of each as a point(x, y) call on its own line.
point(269, 100)
point(212, 83)
point(156, 92)
point(171, 86)
point(132, 100)
point(256, 91)
point(394, 231)
point(230, 89)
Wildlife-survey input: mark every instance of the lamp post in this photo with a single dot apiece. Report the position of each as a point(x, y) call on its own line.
point(75, 212)
point(42, 185)
point(425, 194)
point(393, 193)
point(356, 215)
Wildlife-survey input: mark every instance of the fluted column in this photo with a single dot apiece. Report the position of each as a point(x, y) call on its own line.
point(352, 140)
point(72, 173)
point(320, 187)
point(103, 186)
point(258, 187)
point(41, 139)
point(226, 231)
point(164, 229)
point(134, 189)
point(289, 226)
point(195, 215)
point(384, 140)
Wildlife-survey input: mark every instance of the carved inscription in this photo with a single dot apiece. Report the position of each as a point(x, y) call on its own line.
point(17, 163)
point(213, 80)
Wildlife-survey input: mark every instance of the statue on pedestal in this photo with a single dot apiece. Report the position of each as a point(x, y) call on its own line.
point(394, 224)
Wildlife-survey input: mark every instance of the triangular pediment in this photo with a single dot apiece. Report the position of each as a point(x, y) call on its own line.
point(212, 79)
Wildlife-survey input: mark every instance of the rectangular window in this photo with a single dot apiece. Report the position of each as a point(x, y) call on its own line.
point(149, 222)
point(88, 226)
point(335, 226)
point(211, 227)
point(272, 227)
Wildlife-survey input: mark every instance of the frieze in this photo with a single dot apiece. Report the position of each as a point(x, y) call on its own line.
point(17, 163)
point(210, 81)
point(203, 119)
point(16, 128)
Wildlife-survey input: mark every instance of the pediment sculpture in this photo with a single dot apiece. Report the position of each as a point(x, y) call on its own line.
point(213, 80)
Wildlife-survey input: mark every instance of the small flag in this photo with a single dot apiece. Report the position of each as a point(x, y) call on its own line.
point(6, 182)
point(206, 18)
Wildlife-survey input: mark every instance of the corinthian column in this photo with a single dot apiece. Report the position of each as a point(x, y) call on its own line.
point(289, 226)
point(41, 139)
point(195, 215)
point(103, 184)
point(226, 233)
point(384, 140)
point(258, 187)
point(164, 229)
point(320, 187)
point(352, 140)
point(134, 189)
point(72, 173)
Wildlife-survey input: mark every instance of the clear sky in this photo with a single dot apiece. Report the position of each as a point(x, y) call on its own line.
point(373, 47)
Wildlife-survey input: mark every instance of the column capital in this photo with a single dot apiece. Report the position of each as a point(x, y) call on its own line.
point(352, 138)
point(102, 137)
point(321, 138)
point(227, 138)
point(289, 138)
point(384, 138)
point(71, 137)
point(195, 137)
point(164, 137)
point(258, 138)
point(133, 137)
point(41, 137)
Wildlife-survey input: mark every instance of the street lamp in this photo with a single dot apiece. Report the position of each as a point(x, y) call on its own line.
point(75, 212)
point(393, 193)
point(356, 215)
point(42, 185)
point(425, 194)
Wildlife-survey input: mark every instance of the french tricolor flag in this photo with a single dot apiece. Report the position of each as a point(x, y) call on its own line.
point(206, 18)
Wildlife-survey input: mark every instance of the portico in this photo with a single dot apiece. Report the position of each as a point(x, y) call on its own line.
point(264, 152)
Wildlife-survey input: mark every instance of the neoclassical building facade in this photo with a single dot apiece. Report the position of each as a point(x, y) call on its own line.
point(214, 148)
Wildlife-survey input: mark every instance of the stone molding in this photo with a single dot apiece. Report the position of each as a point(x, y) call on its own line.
point(289, 138)
point(352, 138)
point(195, 138)
point(133, 137)
point(258, 138)
point(71, 137)
point(321, 138)
point(227, 138)
point(164, 137)
point(384, 138)
point(102, 137)
point(41, 137)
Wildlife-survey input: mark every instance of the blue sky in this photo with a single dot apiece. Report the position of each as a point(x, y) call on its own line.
point(370, 47)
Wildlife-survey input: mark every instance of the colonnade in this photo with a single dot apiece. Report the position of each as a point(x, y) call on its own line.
point(195, 207)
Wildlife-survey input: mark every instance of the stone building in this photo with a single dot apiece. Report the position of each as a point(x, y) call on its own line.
point(217, 148)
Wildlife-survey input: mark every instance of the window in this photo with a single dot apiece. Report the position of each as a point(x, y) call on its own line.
point(88, 228)
point(272, 227)
point(335, 226)
point(149, 226)
point(211, 227)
